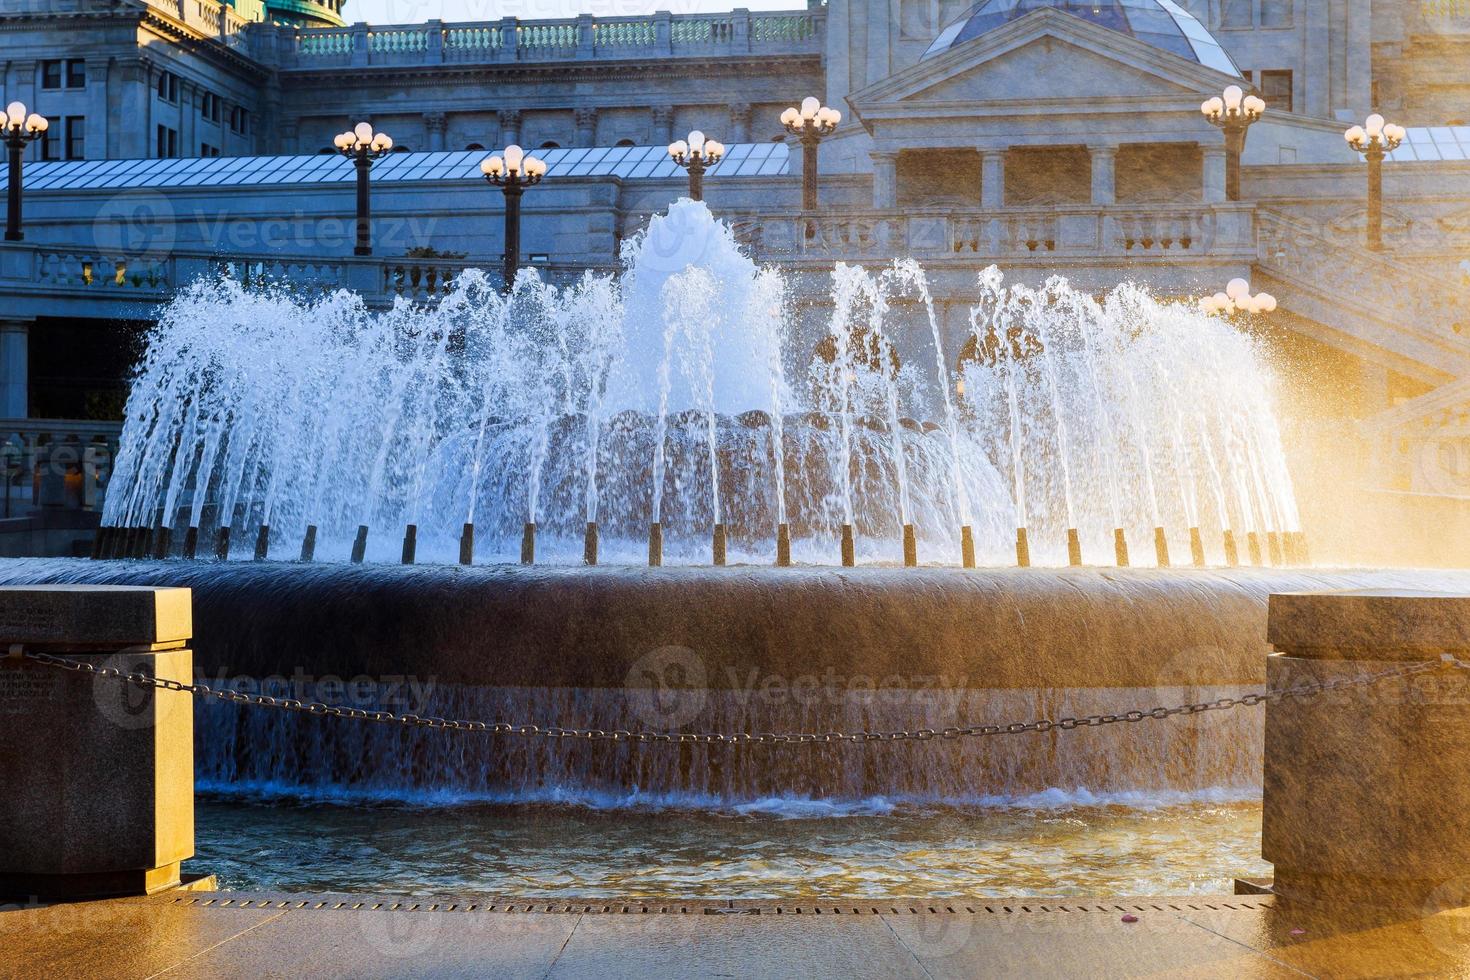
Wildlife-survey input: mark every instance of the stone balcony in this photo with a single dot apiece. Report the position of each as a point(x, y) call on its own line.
point(1107, 235)
point(511, 41)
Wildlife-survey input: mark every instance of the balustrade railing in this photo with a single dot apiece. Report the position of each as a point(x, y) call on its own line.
point(1109, 232)
point(56, 463)
point(585, 37)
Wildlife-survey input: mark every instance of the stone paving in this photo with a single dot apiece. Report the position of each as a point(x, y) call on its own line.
point(227, 934)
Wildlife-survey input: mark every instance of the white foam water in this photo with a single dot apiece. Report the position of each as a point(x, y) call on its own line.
point(680, 391)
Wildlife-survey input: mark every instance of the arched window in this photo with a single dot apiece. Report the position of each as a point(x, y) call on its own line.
point(551, 145)
point(400, 149)
point(624, 143)
point(326, 151)
point(474, 146)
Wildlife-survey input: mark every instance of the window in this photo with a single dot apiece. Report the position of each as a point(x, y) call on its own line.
point(168, 86)
point(474, 146)
point(551, 145)
point(76, 137)
point(239, 120)
point(1276, 13)
point(209, 106)
point(205, 150)
point(51, 143)
point(1276, 89)
point(1236, 13)
point(624, 143)
point(76, 73)
point(51, 74)
point(168, 142)
point(71, 73)
point(65, 139)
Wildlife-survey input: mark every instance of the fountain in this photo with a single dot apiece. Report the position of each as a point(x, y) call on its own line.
point(568, 467)
point(561, 424)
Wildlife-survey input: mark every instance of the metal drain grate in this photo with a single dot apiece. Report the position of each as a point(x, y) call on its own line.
point(990, 907)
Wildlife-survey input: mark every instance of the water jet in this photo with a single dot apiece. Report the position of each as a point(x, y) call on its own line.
point(222, 543)
point(191, 542)
point(1253, 548)
point(1232, 553)
point(1273, 544)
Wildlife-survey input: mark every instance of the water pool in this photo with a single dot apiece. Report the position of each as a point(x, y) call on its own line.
point(1054, 844)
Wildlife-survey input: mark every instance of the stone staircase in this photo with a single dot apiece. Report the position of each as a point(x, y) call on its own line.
point(1373, 304)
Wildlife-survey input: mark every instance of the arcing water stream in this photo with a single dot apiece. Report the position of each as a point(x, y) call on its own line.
point(682, 392)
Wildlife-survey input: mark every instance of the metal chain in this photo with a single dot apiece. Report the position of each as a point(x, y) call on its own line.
point(731, 738)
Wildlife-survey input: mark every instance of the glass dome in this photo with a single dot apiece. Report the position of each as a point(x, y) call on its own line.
point(1162, 23)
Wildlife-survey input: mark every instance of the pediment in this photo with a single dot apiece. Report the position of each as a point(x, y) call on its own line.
point(1046, 56)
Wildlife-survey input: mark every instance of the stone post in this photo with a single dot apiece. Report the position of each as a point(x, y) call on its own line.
point(1365, 795)
point(1214, 174)
point(739, 131)
point(992, 179)
point(1104, 175)
point(98, 773)
point(663, 124)
point(435, 123)
point(885, 180)
point(14, 369)
point(585, 119)
point(510, 127)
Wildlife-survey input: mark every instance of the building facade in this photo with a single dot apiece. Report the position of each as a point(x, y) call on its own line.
point(1045, 136)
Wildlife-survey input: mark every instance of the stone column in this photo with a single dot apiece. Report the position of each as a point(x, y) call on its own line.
point(586, 122)
point(434, 126)
point(120, 780)
point(992, 179)
point(1364, 794)
point(510, 127)
point(663, 125)
point(885, 179)
point(1104, 175)
point(739, 124)
point(1214, 174)
point(15, 339)
point(98, 130)
point(135, 132)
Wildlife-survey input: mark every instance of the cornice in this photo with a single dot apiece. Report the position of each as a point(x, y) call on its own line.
point(753, 65)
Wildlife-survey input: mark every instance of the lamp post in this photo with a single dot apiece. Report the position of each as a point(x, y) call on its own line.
point(362, 146)
point(20, 129)
point(696, 155)
point(1375, 139)
point(513, 173)
point(811, 122)
point(1233, 112)
point(1237, 298)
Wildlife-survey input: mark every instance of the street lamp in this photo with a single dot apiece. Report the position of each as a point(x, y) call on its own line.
point(362, 146)
point(1233, 112)
point(513, 173)
point(811, 122)
point(696, 155)
point(1374, 140)
point(20, 129)
point(1237, 298)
